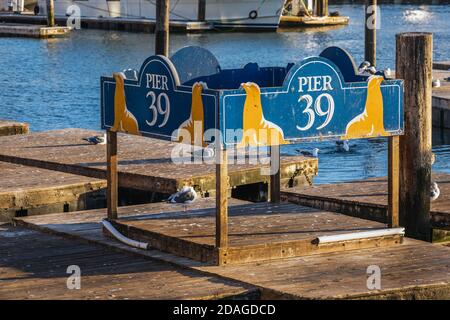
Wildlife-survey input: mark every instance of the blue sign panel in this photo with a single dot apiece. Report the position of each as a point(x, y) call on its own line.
point(320, 97)
point(314, 102)
point(155, 104)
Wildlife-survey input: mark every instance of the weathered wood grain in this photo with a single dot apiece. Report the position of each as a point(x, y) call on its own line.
point(33, 265)
point(143, 163)
point(31, 190)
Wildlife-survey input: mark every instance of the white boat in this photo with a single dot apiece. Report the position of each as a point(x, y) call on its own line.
point(261, 14)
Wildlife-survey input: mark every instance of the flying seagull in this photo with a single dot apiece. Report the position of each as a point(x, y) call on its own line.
point(435, 191)
point(343, 145)
point(185, 195)
point(96, 139)
point(313, 153)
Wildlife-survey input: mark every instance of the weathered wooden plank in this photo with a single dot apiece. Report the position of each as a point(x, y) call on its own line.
point(36, 269)
point(29, 190)
point(112, 196)
point(366, 199)
point(393, 181)
point(143, 163)
point(222, 201)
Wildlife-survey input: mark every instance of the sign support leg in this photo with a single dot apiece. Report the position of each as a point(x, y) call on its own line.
point(111, 174)
point(222, 200)
point(275, 176)
point(393, 181)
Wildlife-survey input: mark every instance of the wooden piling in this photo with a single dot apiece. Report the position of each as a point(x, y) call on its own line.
point(162, 28)
point(50, 13)
point(370, 32)
point(393, 181)
point(275, 186)
point(414, 57)
point(322, 8)
point(111, 174)
point(201, 16)
point(222, 200)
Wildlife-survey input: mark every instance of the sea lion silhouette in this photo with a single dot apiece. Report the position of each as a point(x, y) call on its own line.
point(195, 124)
point(124, 120)
point(257, 131)
point(370, 121)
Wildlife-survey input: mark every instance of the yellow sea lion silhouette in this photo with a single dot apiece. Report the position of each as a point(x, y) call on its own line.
point(195, 124)
point(124, 120)
point(257, 131)
point(370, 122)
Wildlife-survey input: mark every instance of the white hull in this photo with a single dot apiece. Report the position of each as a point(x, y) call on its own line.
point(230, 13)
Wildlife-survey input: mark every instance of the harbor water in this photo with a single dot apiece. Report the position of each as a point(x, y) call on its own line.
point(54, 83)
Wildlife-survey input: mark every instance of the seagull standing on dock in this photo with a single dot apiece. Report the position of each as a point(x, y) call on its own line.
point(342, 145)
point(186, 195)
point(435, 191)
point(314, 153)
point(96, 139)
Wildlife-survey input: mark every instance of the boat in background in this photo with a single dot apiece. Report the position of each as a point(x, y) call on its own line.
point(258, 14)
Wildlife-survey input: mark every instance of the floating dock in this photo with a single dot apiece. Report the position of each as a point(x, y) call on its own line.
point(106, 275)
point(32, 31)
point(368, 200)
point(305, 21)
point(29, 190)
point(338, 275)
point(9, 128)
point(144, 164)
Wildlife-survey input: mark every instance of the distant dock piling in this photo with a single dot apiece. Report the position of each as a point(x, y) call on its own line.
point(162, 28)
point(414, 56)
point(370, 31)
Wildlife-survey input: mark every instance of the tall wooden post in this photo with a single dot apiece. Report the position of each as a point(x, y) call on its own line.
point(111, 174)
point(370, 33)
point(322, 8)
point(275, 177)
point(414, 57)
point(393, 181)
point(162, 28)
point(201, 10)
point(222, 199)
point(50, 13)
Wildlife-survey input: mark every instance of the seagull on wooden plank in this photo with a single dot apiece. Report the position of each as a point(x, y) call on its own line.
point(96, 139)
point(435, 191)
point(313, 153)
point(207, 152)
point(342, 145)
point(186, 195)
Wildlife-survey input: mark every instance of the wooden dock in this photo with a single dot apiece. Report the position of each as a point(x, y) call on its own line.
point(368, 200)
point(8, 128)
point(412, 270)
point(29, 191)
point(307, 22)
point(144, 164)
point(33, 266)
point(32, 31)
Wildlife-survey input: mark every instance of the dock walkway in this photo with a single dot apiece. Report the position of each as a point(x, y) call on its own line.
point(144, 163)
point(31, 30)
point(33, 265)
point(366, 199)
point(8, 128)
point(28, 190)
point(339, 275)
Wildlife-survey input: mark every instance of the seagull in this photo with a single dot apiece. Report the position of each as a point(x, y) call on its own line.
point(436, 83)
point(363, 66)
point(130, 74)
point(186, 195)
point(314, 153)
point(434, 192)
point(343, 145)
point(96, 139)
point(207, 152)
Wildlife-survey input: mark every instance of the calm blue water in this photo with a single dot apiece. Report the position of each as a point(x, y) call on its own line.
point(55, 83)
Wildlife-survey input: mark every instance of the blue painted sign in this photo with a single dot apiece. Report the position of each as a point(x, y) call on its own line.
point(318, 98)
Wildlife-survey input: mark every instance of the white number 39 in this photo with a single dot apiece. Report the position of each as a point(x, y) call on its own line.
point(317, 110)
point(156, 107)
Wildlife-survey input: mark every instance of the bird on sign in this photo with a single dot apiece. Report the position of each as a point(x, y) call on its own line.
point(96, 139)
point(314, 153)
point(186, 195)
point(366, 68)
point(342, 145)
point(435, 191)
